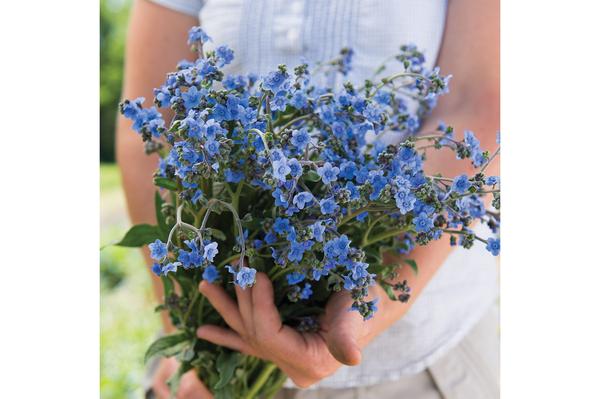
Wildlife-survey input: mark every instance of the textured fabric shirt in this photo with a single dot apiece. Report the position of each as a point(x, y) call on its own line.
point(266, 33)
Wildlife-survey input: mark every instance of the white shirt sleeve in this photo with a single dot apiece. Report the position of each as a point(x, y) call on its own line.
point(189, 7)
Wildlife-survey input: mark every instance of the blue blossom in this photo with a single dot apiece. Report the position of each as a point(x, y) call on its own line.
point(328, 173)
point(295, 167)
point(299, 100)
point(157, 269)
point(280, 198)
point(492, 180)
point(212, 147)
point(279, 102)
point(281, 169)
point(295, 277)
point(317, 229)
point(233, 176)
point(297, 249)
point(274, 80)
point(224, 55)
point(210, 251)
point(306, 291)
point(244, 277)
point(302, 199)
point(328, 206)
point(405, 201)
point(337, 247)
point(210, 274)
point(191, 98)
point(493, 245)
point(423, 223)
point(461, 184)
point(300, 139)
point(196, 34)
point(158, 250)
point(281, 225)
point(170, 267)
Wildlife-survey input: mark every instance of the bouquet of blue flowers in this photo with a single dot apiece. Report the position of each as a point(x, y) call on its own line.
point(289, 174)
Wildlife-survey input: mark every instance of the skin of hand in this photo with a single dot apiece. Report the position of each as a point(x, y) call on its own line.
point(256, 329)
point(190, 386)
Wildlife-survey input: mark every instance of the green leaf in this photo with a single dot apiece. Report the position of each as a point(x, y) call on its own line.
point(218, 234)
point(165, 183)
point(312, 176)
point(389, 291)
point(168, 345)
point(226, 365)
point(167, 285)
point(412, 264)
point(160, 217)
point(139, 235)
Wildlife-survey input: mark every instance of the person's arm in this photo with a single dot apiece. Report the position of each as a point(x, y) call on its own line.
point(156, 42)
point(470, 52)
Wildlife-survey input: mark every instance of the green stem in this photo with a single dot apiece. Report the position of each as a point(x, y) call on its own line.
point(260, 381)
point(386, 235)
point(290, 123)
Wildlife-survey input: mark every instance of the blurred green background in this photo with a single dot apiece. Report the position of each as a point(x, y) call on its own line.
point(128, 323)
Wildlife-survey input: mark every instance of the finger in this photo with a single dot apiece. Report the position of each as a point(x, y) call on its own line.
point(223, 303)
point(160, 389)
point(244, 300)
point(343, 342)
point(192, 388)
point(224, 337)
point(266, 317)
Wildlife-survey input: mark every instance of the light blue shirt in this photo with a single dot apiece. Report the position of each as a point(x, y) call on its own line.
point(266, 33)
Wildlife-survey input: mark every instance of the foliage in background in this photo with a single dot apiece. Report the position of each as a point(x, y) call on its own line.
point(128, 323)
point(113, 25)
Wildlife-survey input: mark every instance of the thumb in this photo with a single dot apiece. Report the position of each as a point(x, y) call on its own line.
point(343, 344)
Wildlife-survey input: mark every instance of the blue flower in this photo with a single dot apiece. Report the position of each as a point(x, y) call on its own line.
point(295, 167)
point(405, 201)
point(158, 250)
point(328, 173)
point(233, 176)
point(317, 230)
point(224, 55)
point(170, 267)
point(210, 251)
point(210, 274)
point(302, 199)
point(281, 169)
point(191, 98)
point(423, 223)
point(300, 138)
point(328, 206)
point(297, 249)
point(196, 34)
point(461, 184)
point(274, 80)
point(299, 100)
point(281, 225)
point(279, 102)
point(493, 245)
point(306, 291)
point(280, 199)
point(212, 147)
point(157, 269)
point(337, 247)
point(244, 277)
point(295, 278)
point(492, 180)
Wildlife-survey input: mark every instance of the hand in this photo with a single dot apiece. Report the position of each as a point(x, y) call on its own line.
point(256, 329)
point(190, 386)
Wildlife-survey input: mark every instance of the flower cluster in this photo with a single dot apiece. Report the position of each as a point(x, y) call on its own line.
point(315, 194)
